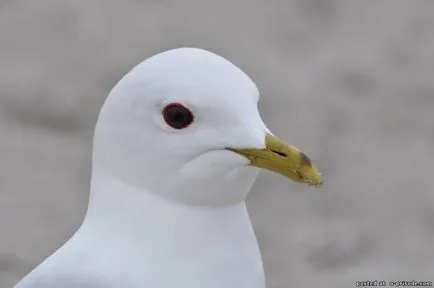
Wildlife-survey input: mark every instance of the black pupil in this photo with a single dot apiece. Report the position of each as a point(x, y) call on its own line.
point(178, 117)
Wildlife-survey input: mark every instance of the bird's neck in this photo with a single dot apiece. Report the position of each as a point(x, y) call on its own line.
point(116, 204)
point(189, 242)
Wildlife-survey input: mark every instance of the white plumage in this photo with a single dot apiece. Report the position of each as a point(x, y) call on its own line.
point(166, 206)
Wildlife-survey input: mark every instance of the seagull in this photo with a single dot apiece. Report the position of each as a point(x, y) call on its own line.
point(177, 146)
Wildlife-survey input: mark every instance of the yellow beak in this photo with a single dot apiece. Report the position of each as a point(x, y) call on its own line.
point(284, 159)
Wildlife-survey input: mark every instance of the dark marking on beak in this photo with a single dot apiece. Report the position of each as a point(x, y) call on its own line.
point(305, 160)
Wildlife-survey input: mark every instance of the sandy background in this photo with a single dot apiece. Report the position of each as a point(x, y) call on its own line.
point(350, 82)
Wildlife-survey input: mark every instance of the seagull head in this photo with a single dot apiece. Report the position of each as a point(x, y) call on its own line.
point(184, 125)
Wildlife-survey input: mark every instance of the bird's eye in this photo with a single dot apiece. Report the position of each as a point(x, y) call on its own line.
point(177, 116)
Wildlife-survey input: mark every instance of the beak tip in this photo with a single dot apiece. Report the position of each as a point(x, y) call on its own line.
point(311, 180)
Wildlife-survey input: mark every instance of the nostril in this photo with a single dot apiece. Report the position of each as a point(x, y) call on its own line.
point(279, 153)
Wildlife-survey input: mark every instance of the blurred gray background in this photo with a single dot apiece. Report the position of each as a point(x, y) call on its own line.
point(349, 82)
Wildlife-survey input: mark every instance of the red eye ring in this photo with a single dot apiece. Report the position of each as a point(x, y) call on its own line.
point(177, 116)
